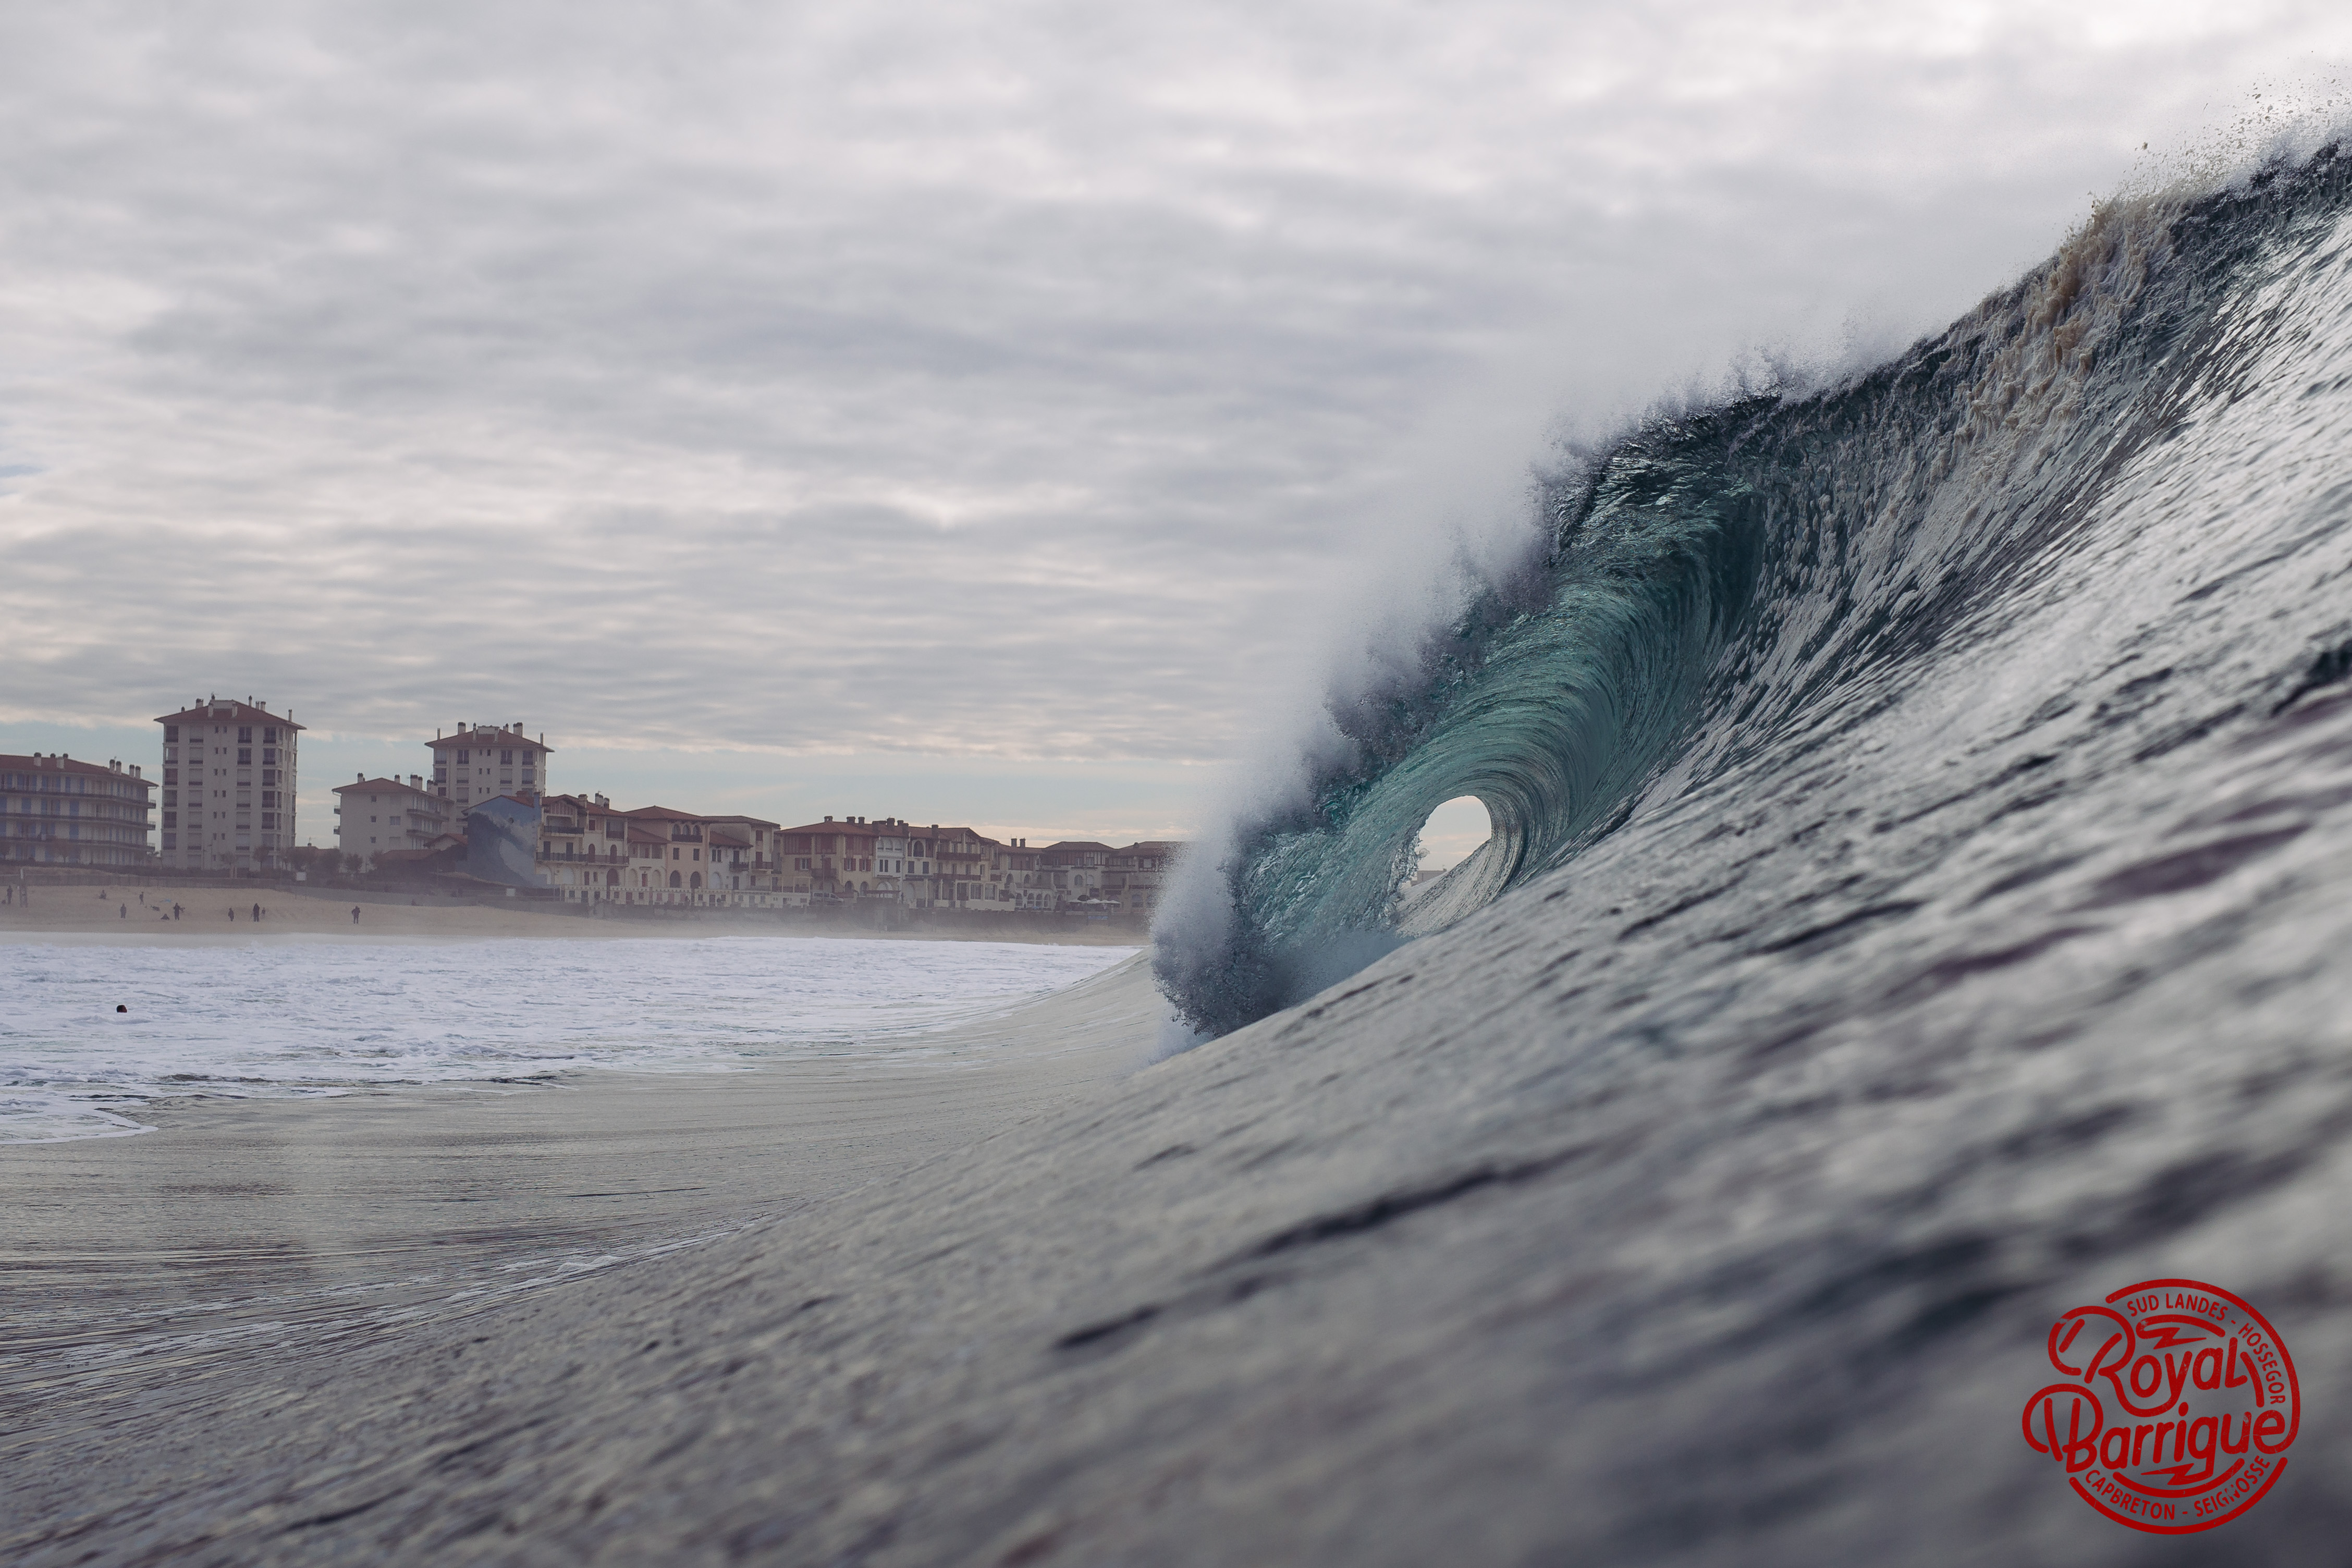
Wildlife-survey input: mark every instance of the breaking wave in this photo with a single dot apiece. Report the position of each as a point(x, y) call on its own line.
point(1726, 596)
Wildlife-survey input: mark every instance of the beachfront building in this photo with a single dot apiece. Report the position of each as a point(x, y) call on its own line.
point(376, 818)
point(582, 844)
point(229, 781)
point(827, 861)
point(742, 861)
point(482, 761)
point(916, 883)
point(962, 859)
point(1021, 879)
point(502, 840)
point(669, 854)
point(1075, 869)
point(55, 811)
point(1133, 876)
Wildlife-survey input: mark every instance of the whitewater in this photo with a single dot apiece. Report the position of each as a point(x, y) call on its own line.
point(222, 1016)
point(1921, 875)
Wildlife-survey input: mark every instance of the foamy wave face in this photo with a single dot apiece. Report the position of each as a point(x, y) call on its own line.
point(311, 1019)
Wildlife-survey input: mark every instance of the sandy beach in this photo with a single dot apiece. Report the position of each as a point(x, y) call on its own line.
point(206, 911)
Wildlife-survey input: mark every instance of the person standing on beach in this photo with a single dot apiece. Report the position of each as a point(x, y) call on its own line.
point(355, 914)
point(232, 914)
point(175, 909)
point(123, 911)
point(256, 914)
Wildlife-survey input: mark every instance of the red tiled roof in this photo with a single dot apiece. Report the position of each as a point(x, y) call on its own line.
point(856, 829)
point(225, 711)
point(380, 784)
point(661, 814)
point(63, 765)
point(479, 738)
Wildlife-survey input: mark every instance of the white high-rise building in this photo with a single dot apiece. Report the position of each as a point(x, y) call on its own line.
point(228, 786)
point(482, 761)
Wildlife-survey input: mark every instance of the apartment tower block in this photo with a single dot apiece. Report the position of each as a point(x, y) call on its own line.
point(228, 788)
point(483, 761)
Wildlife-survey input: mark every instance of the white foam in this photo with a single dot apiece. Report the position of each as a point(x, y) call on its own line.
point(310, 1018)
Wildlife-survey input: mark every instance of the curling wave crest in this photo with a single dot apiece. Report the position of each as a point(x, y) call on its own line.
point(1728, 597)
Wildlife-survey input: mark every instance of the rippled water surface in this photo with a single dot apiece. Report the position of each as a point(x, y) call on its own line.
point(304, 1016)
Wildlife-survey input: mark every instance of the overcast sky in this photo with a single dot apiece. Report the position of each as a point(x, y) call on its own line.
point(966, 413)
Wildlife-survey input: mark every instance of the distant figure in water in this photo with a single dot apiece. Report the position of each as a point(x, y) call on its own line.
point(120, 1008)
point(355, 914)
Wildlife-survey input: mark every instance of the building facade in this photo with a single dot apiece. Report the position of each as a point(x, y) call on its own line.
point(55, 811)
point(742, 857)
point(502, 840)
point(483, 761)
point(230, 774)
point(826, 861)
point(1133, 876)
point(377, 816)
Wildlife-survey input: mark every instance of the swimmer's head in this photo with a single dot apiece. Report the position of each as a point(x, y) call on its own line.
point(120, 1008)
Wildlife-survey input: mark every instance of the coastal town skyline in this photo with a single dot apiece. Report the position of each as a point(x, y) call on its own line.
point(1000, 799)
point(222, 803)
point(1003, 798)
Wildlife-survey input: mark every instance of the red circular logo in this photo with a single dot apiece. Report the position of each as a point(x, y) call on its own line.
point(2177, 1406)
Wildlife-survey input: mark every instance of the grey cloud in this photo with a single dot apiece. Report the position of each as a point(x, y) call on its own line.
point(1000, 382)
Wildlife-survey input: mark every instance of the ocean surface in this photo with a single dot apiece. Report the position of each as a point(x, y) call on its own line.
point(295, 1015)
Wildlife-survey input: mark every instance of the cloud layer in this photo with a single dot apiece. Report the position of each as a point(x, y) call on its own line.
point(1011, 383)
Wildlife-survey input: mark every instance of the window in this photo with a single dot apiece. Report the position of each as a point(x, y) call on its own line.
point(269, 756)
point(506, 759)
point(673, 879)
point(170, 732)
point(245, 735)
point(269, 736)
point(244, 756)
point(464, 757)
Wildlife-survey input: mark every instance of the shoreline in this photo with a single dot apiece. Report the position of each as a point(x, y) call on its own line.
point(76, 912)
point(230, 1201)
